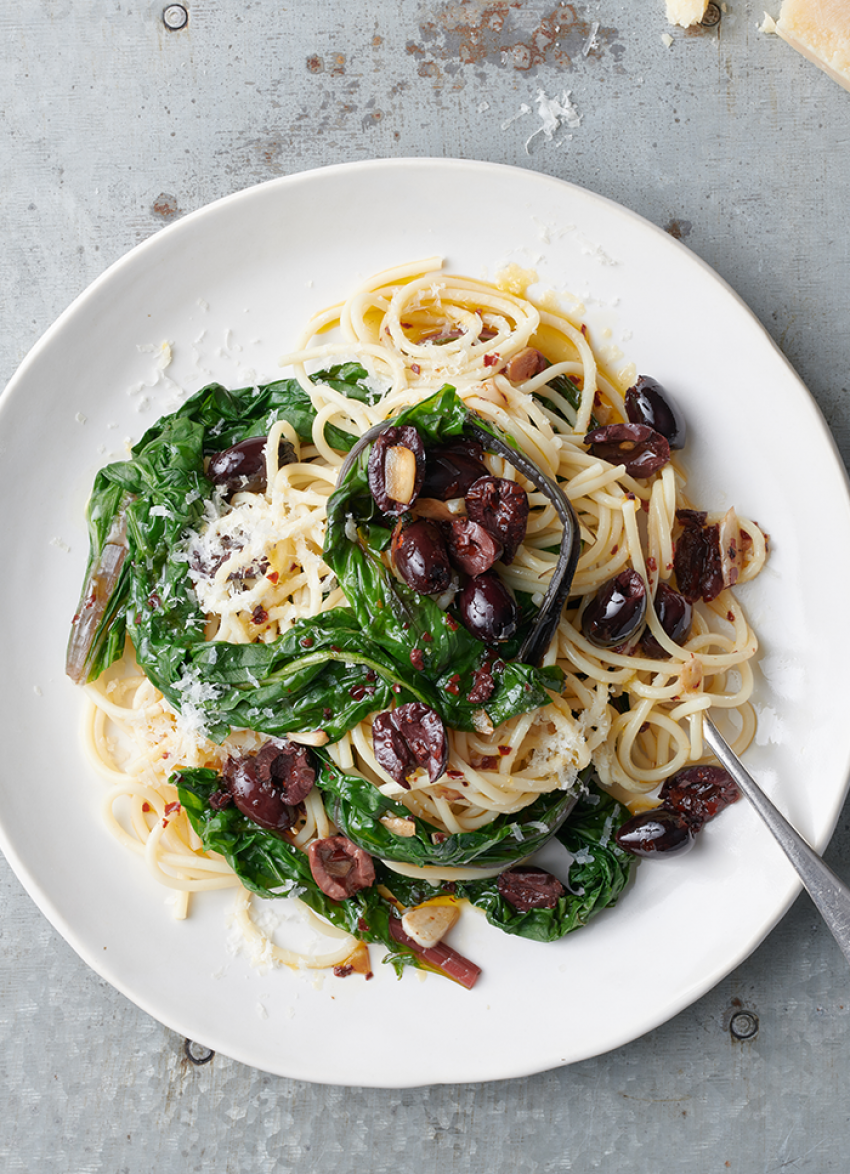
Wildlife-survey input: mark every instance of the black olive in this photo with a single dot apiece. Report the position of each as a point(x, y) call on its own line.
point(652, 833)
point(616, 611)
point(268, 786)
point(647, 402)
point(501, 507)
point(472, 549)
point(393, 443)
point(450, 469)
point(420, 557)
point(488, 609)
point(699, 793)
point(242, 467)
point(409, 737)
point(674, 614)
point(637, 446)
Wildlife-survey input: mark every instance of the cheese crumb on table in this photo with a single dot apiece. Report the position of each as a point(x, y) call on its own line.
point(686, 12)
point(820, 30)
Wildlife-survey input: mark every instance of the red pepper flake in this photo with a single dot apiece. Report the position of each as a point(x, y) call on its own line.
point(306, 642)
point(452, 686)
point(651, 564)
point(488, 762)
point(293, 567)
point(491, 360)
point(427, 637)
point(343, 971)
point(730, 616)
point(415, 368)
point(165, 823)
point(417, 659)
point(396, 687)
point(362, 925)
point(630, 496)
point(259, 616)
point(584, 330)
point(454, 774)
point(615, 548)
point(439, 838)
point(165, 754)
point(272, 576)
point(146, 807)
point(172, 808)
point(503, 750)
point(644, 505)
point(451, 623)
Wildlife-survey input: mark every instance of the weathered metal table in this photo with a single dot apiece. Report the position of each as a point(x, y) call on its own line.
point(118, 118)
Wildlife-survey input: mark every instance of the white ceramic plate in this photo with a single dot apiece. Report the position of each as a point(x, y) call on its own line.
point(230, 287)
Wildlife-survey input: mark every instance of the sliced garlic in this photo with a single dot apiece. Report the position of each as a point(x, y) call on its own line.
point(399, 826)
point(428, 924)
point(400, 473)
point(309, 737)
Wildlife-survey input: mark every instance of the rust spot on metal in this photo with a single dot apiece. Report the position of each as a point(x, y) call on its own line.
point(165, 206)
point(338, 66)
point(506, 33)
point(377, 40)
point(679, 229)
point(315, 64)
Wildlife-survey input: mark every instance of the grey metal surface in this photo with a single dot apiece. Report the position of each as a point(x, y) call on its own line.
point(113, 126)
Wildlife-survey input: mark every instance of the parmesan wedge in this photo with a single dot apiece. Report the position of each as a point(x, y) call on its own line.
point(686, 12)
point(820, 30)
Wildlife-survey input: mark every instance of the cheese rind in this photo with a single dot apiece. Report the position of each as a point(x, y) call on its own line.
point(820, 30)
point(686, 12)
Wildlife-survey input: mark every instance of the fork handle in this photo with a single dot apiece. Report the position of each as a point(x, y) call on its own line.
point(830, 895)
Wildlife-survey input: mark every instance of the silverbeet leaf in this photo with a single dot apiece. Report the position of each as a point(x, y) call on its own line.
point(596, 878)
point(270, 866)
point(411, 627)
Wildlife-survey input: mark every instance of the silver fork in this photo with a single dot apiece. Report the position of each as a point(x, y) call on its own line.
point(830, 895)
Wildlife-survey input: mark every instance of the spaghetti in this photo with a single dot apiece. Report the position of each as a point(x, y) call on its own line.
point(258, 569)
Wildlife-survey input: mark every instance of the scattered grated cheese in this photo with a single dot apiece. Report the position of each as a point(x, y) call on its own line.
point(523, 110)
point(554, 113)
point(591, 43)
